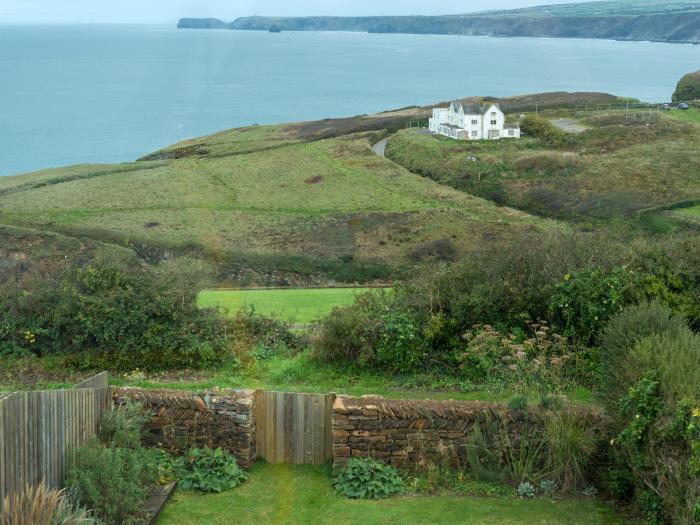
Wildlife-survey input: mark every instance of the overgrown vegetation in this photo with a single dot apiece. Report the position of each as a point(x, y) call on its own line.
point(102, 316)
point(622, 163)
point(113, 476)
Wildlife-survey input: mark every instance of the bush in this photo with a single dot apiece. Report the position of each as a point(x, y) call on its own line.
point(541, 128)
point(365, 478)
point(113, 318)
point(112, 481)
point(375, 333)
point(583, 301)
point(624, 331)
point(209, 470)
point(659, 444)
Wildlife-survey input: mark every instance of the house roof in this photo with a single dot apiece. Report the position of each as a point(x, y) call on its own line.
point(472, 109)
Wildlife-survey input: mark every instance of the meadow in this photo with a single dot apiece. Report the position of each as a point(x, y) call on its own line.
point(300, 306)
point(264, 206)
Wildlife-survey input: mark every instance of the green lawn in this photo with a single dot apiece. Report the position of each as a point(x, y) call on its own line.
point(296, 305)
point(283, 494)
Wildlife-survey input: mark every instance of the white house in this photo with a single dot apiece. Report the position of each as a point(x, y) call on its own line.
point(472, 122)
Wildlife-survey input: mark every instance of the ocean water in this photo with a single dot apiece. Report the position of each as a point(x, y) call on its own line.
point(77, 94)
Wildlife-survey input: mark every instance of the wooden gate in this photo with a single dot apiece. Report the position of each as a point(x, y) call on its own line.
point(293, 428)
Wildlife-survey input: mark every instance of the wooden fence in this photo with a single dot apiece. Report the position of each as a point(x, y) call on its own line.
point(40, 430)
point(293, 428)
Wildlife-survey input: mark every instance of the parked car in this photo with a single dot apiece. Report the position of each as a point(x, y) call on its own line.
point(683, 105)
point(666, 107)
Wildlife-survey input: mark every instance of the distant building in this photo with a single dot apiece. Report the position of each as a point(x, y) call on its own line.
point(472, 122)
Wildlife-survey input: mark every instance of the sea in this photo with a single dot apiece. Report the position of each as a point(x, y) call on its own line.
point(74, 94)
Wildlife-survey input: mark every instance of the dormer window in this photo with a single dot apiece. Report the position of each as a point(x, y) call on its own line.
point(493, 113)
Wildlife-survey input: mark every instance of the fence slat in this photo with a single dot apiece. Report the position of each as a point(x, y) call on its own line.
point(39, 432)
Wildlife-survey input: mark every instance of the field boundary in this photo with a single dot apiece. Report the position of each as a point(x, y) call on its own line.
point(40, 431)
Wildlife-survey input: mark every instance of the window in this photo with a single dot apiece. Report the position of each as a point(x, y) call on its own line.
point(475, 134)
point(511, 132)
point(475, 122)
point(493, 113)
point(494, 122)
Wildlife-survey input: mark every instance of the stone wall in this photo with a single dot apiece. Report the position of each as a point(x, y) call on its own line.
point(407, 432)
point(180, 420)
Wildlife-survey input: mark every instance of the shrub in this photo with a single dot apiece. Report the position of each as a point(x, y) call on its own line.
point(583, 301)
point(674, 359)
point(108, 317)
point(569, 449)
point(659, 445)
point(365, 478)
point(42, 506)
point(374, 332)
point(350, 334)
point(209, 470)
point(111, 481)
point(624, 331)
point(543, 129)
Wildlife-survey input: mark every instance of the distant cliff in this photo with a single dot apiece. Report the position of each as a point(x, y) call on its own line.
point(656, 20)
point(202, 23)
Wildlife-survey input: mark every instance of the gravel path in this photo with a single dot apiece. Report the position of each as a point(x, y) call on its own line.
point(569, 125)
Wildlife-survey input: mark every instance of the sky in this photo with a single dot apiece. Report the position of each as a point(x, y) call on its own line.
point(168, 11)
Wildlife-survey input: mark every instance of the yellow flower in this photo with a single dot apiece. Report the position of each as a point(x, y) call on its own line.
point(567, 277)
point(696, 412)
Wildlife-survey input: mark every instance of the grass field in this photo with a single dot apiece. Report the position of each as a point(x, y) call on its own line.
point(283, 494)
point(298, 306)
point(261, 206)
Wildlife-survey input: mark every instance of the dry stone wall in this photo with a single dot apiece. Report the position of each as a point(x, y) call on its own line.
point(408, 432)
point(180, 420)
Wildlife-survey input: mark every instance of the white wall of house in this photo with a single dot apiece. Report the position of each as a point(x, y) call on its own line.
point(488, 124)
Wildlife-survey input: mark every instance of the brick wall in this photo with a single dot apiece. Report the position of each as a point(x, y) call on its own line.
point(180, 420)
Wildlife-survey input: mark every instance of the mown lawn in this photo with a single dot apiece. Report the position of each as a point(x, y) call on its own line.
point(297, 305)
point(283, 494)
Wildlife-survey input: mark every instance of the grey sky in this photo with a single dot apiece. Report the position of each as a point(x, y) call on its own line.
point(167, 11)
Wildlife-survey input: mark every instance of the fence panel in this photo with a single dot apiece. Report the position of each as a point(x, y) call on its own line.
point(39, 431)
point(294, 428)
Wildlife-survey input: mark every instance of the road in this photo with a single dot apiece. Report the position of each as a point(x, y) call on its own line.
point(380, 147)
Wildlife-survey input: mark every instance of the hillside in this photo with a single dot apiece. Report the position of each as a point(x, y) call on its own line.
point(619, 164)
point(288, 204)
point(634, 20)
